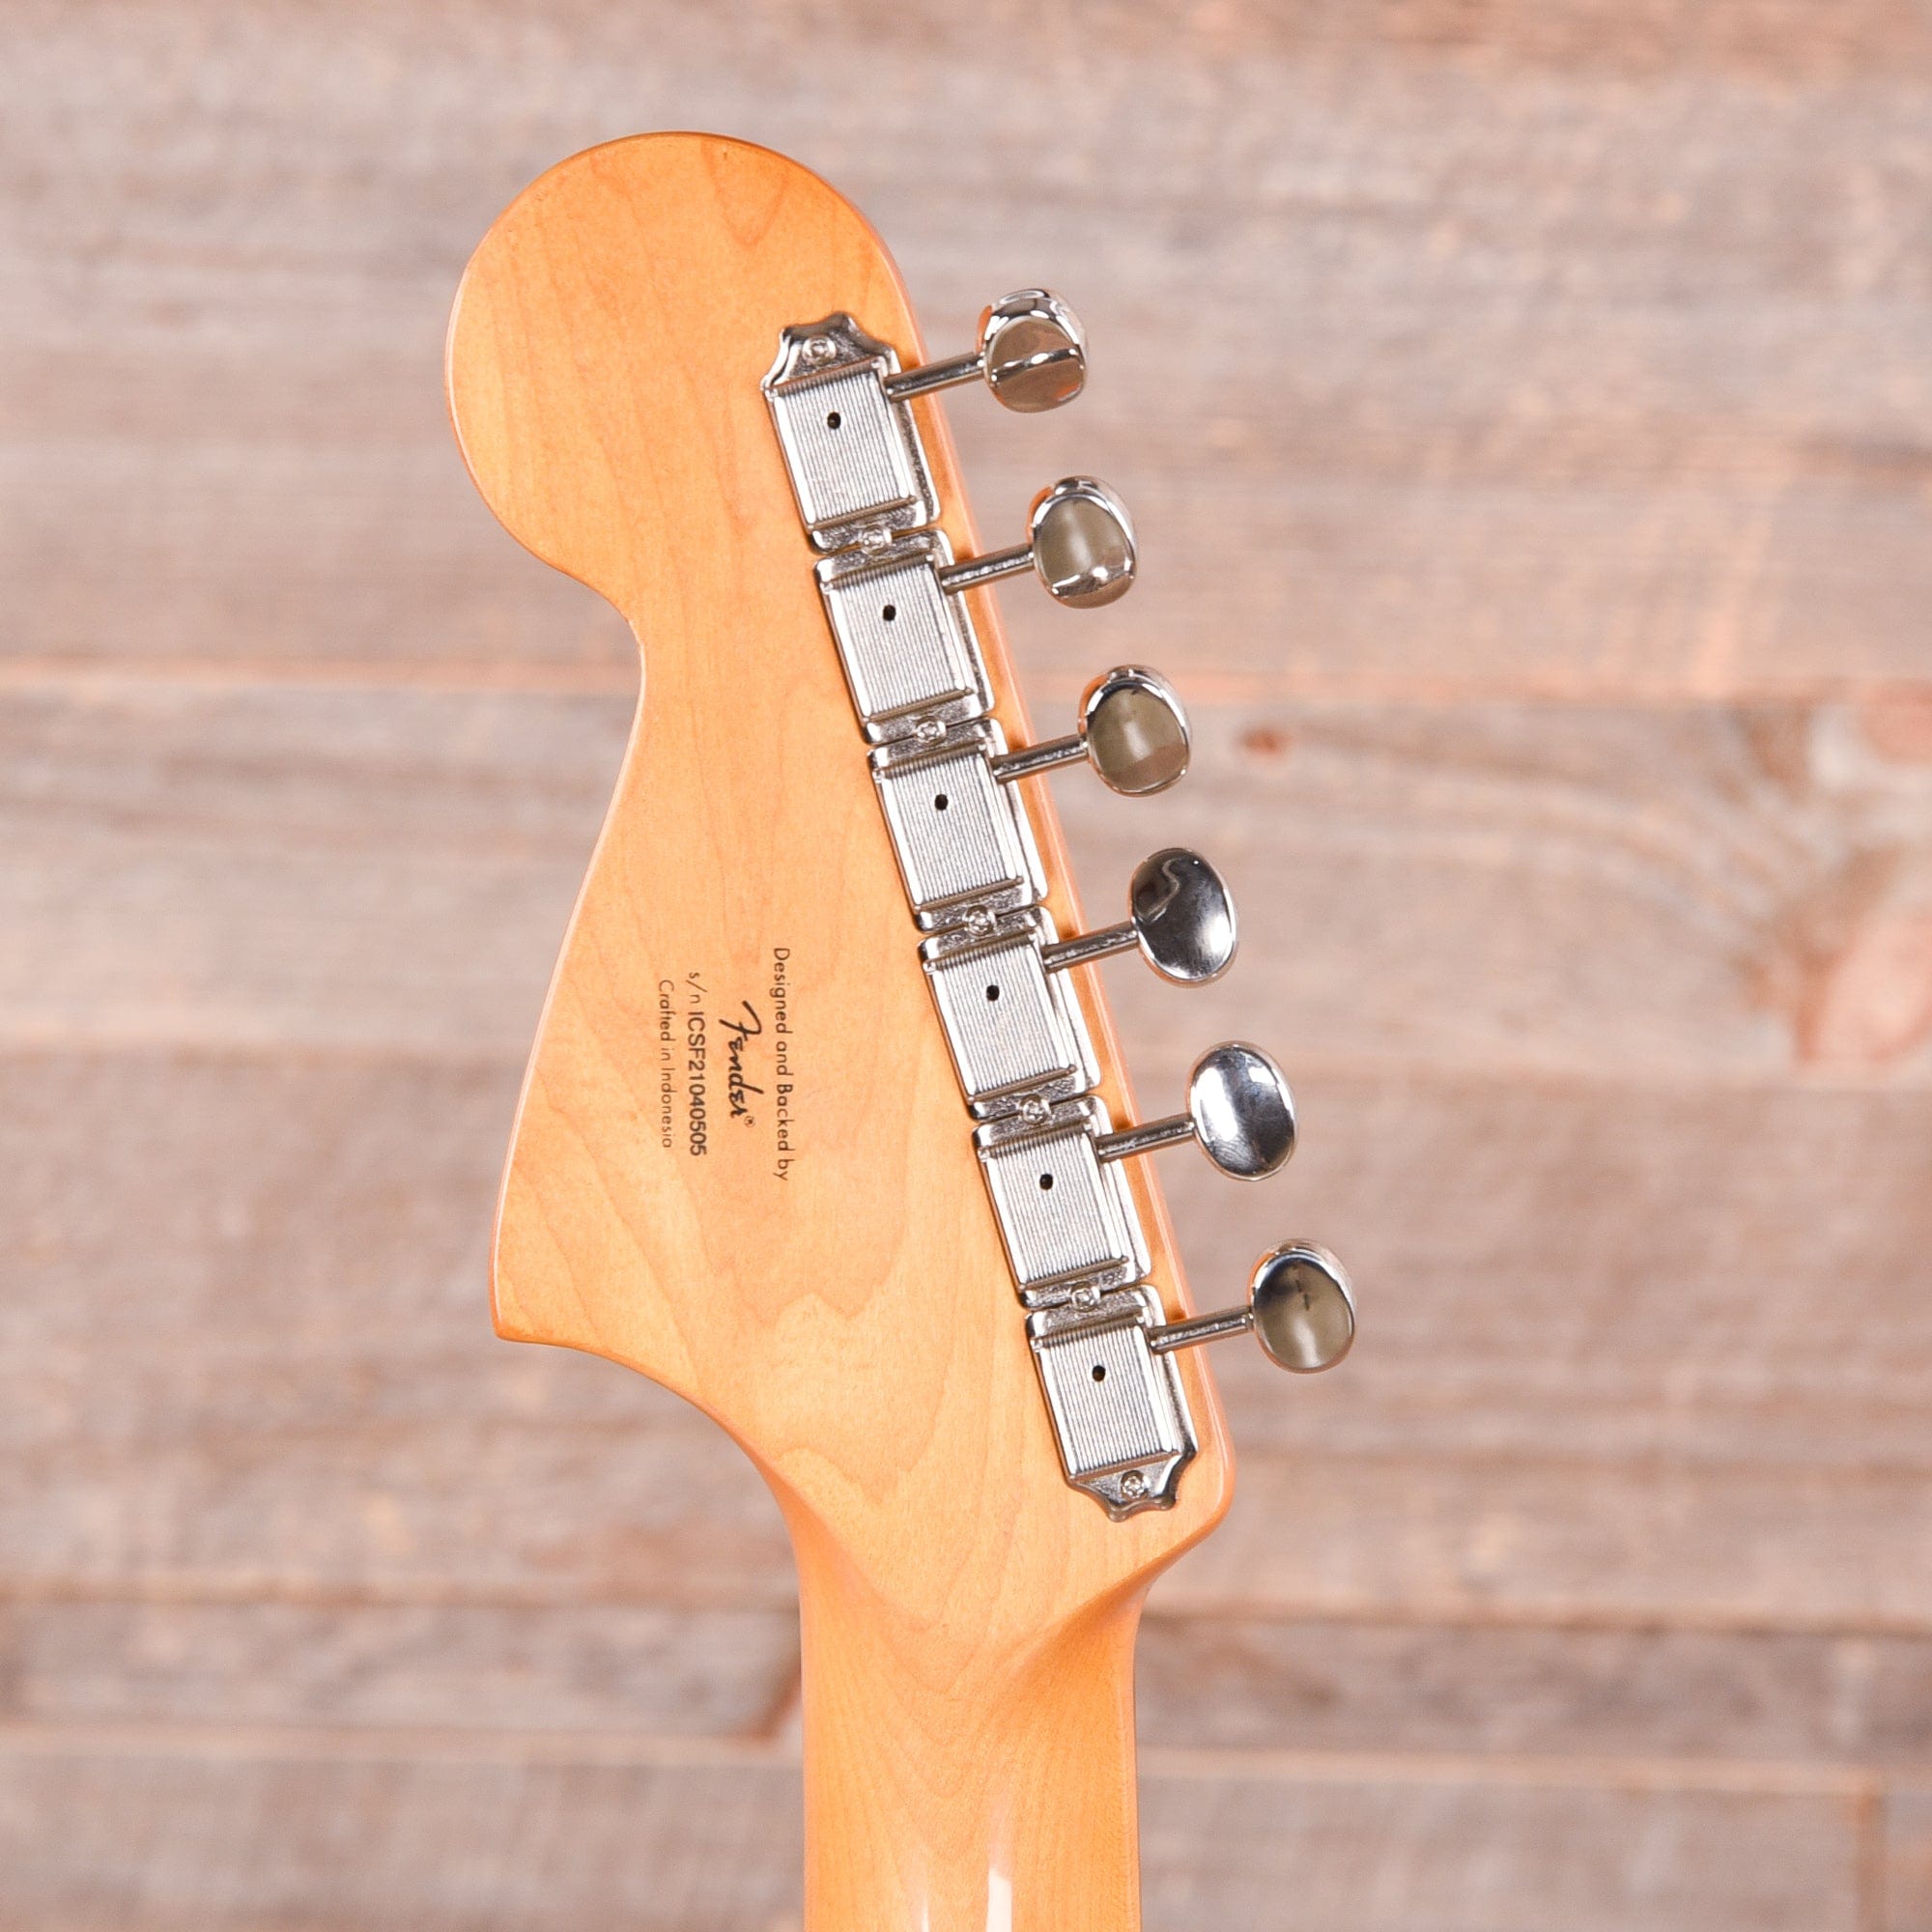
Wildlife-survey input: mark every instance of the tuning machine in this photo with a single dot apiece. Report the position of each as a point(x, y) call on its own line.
point(1052, 1158)
point(1106, 1365)
point(1238, 1109)
point(1179, 916)
point(1131, 729)
point(913, 663)
point(1080, 544)
point(1239, 1112)
point(1064, 1153)
point(1032, 355)
point(1301, 1307)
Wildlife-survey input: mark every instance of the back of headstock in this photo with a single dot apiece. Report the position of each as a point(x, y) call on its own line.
point(820, 1129)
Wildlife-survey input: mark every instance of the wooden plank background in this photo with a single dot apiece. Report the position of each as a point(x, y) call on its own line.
point(1528, 414)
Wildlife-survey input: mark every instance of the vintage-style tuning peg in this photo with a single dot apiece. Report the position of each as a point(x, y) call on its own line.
point(1031, 353)
point(1178, 914)
point(1238, 1109)
point(1300, 1306)
point(1131, 729)
point(1080, 542)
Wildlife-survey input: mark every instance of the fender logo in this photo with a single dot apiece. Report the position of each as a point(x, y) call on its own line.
point(738, 1088)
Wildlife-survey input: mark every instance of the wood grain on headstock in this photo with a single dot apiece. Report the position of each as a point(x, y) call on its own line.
point(848, 1317)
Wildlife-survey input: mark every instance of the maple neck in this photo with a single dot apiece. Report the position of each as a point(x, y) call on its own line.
point(954, 1785)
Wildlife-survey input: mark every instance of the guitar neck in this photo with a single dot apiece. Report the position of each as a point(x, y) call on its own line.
point(954, 1783)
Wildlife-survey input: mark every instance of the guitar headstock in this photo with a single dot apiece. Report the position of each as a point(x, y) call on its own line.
point(821, 1128)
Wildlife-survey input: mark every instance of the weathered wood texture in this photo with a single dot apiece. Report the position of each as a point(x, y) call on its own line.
point(1714, 894)
point(1588, 354)
point(1527, 415)
point(367, 1834)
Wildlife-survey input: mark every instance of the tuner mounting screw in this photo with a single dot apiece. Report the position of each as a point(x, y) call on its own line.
point(1034, 1111)
point(927, 729)
point(1134, 1485)
point(819, 349)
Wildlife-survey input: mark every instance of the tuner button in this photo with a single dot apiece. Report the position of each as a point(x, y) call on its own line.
point(1303, 1307)
point(1300, 1306)
point(1134, 730)
point(1242, 1112)
point(1238, 1109)
point(1131, 729)
point(1178, 914)
point(1031, 353)
point(1034, 351)
point(1183, 916)
point(1082, 542)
